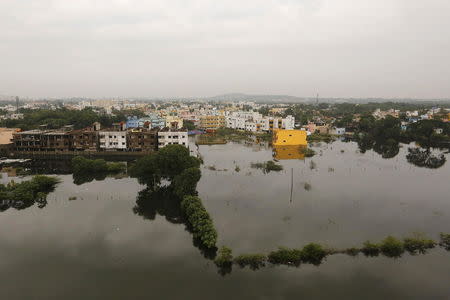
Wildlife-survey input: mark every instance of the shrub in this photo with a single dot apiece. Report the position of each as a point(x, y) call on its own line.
point(285, 256)
point(24, 194)
point(225, 257)
point(370, 249)
point(267, 166)
point(200, 221)
point(445, 241)
point(83, 165)
point(392, 247)
point(115, 167)
point(254, 261)
point(307, 152)
point(313, 254)
point(418, 244)
point(352, 251)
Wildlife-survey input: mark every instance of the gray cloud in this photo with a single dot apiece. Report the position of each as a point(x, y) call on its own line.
point(345, 48)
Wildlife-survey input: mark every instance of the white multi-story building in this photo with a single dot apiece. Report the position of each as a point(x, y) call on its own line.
point(172, 137)
point(253, 121)
point(113, 140)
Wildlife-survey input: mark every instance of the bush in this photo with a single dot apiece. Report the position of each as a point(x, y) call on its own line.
point(445, 241)
point(199, 220)
point(267, 166)
point(307, 152)
point(25, 194)
point(418, 244)
point(352, 251)
point(370, 249)
point(81, 165)
point(313, 254)
point(285, 256)
point(225, 257)
point(254, 261)
point(392, 247)
point(115, 167)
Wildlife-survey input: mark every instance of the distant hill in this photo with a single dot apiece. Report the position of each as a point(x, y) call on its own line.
point(256, 98)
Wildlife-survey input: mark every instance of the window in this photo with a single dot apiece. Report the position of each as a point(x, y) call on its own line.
point(110, 136)
point(123, 143)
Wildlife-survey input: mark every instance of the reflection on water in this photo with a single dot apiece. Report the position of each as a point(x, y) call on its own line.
point(121, 241)
point(164, 202)
point(289, 152)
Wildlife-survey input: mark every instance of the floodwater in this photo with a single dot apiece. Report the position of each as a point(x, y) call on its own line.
point(105, 245)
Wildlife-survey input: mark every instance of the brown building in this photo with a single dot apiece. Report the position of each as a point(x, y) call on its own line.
point(30, 140)
point(141, 139)
point(85, 139)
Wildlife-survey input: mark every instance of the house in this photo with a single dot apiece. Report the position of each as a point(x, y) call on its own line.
point(212, 122)
point(439, 130)
point(168, 136)
point(338, 131)
point(112, 140)
point(174, 122)
point(142, 139)
point(282, 137)
point(86, 139)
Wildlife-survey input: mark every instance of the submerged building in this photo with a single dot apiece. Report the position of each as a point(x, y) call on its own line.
point(282, 137)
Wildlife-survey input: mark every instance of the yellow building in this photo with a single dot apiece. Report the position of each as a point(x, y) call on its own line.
point(289, 152)
point(212, 122)
point(283, 137)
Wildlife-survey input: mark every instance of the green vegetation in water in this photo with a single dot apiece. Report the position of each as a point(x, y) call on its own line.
point(445, 241)
point(352, 251)
point(285, 256)
point(173, 163)
point(313, 253)
point(254, 261)
point(86, 170)
point(424, 158)
point(392, 247)
point(267, 166)
point(225, 258)
point(237, 169)
point(418, 244)
point(307, 152)
point(199, 220)
point(84, 165)
point(318, 137)
point(72, 198)
point(370, 249)
point(307, 186)
point(26, 193)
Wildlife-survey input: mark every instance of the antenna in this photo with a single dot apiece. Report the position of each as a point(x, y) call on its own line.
point(17, 104)
point(317, 99)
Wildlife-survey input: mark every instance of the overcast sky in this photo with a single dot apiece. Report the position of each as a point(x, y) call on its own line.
point(182, 48)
